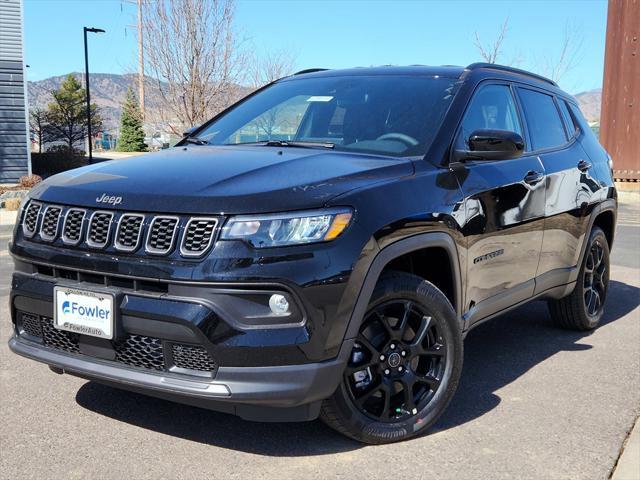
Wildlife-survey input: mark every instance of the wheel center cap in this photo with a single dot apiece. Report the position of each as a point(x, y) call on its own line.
point(394, 360)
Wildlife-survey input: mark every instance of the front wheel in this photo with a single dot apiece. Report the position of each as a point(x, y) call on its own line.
point(583, 308)
point(404, 367)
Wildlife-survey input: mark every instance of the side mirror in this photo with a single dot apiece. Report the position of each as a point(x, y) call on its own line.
point(492, 145)
point(189, 131)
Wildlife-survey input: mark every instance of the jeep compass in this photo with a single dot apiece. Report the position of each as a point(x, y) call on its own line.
point(322, 247)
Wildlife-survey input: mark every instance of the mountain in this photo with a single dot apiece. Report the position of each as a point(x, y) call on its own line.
point(590, 103)
point(108, 91)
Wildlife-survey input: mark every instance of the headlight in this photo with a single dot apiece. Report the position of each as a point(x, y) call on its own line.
point(279, 230)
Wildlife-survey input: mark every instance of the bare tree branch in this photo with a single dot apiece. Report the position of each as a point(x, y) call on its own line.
point(270, 67)
point(194, 58)
point(556, 67)
point(491, 52)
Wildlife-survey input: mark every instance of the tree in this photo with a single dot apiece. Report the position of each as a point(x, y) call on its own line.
point(131, 132)
point(68, 116)
point(491, 52)
point(193, 57)
point(39, 126)
point(571, 48)
point(267, 68)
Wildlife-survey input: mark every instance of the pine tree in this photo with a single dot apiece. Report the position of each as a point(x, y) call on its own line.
point(67, 114)
point(131, 132)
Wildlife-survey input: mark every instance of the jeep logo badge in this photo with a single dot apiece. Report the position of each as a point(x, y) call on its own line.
point(110, 200)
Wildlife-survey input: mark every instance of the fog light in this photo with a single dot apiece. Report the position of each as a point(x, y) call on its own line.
point(279, 304)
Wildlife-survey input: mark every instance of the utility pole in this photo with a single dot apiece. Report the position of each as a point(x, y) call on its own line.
point(140, 61)
point(86, 80)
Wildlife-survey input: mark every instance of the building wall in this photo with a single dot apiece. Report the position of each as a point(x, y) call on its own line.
point(620, 118)
point(14, 139)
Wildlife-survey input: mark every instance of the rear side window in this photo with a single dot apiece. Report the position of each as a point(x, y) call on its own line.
point(543, 119)
point(492, 107)
point(572, 128)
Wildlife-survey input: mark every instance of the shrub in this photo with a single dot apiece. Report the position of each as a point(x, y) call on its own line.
point(12, 203)
point(30, 181)
point(56, 160)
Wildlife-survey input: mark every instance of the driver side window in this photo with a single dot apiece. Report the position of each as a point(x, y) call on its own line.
point(492, 107)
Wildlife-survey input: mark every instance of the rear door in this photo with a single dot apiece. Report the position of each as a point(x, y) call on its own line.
point(504, 210)
point(569, 186)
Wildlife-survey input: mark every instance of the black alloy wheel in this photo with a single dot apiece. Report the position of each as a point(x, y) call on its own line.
point(397, 362)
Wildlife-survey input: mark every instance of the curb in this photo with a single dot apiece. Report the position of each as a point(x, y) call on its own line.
point(628, 466)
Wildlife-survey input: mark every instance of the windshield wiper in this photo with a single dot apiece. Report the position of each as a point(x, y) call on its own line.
point(195, 140)
point(287, 143)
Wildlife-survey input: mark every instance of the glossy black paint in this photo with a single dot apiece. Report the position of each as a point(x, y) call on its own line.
point(493, 145)
point(525, 218)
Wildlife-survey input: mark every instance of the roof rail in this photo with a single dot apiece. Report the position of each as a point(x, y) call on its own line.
point(310, 70)
point(504, 68)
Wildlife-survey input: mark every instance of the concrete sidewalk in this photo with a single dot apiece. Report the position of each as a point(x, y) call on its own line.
point(628, 466)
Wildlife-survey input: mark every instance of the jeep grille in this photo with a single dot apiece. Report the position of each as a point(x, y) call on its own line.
point(116, 231)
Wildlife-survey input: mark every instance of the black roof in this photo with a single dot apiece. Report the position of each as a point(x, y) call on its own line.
point(449, 71)
point(444, 71)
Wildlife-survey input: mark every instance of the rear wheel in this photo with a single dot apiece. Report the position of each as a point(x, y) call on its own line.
point(583, 308)
point(404, 366)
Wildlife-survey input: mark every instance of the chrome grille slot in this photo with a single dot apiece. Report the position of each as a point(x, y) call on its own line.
point(72, 229)
point(129, 232)
point(50, 222)
point(198, 236)
point(162, 234)
point(99, 229)
point(30, 222)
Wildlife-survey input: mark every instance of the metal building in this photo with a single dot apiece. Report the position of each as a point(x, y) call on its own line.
point(620, 118)
point(15, 158)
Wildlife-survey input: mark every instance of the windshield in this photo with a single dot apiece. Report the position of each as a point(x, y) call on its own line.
point(383, 114)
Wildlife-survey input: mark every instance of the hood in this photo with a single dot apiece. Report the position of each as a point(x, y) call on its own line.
point(221, 180)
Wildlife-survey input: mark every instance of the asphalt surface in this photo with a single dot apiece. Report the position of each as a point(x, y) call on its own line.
point(534, 402)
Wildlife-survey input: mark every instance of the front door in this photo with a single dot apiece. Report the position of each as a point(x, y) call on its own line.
point(504, 205)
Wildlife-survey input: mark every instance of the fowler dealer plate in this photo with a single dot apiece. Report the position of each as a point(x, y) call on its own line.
point(83, 312)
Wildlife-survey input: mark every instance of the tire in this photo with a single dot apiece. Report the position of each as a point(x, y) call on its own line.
point(582, 309)
point(404, 367)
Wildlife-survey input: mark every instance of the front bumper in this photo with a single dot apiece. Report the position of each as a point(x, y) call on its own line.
point(280, 393)
point(255, 373)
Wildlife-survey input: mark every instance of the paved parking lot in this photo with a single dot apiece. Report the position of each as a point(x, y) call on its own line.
point(534, 402)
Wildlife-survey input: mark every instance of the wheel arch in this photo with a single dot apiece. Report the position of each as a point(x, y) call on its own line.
point(397, 250)
point(603, 214)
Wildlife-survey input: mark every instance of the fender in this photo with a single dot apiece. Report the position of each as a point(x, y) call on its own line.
point(608, 205)
point(395, 250)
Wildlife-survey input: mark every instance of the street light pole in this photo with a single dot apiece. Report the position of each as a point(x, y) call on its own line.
point(86, 80)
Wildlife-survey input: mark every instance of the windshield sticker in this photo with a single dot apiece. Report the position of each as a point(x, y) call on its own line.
point(319, 98)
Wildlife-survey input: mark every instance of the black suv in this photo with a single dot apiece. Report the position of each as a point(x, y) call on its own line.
point(322, 247)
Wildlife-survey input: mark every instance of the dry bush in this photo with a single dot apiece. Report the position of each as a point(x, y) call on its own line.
point(30, 181)
point(12, 203)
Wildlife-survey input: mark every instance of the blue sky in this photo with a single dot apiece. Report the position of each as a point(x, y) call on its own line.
point(335, 34)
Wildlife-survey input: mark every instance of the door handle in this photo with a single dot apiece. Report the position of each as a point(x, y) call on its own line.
point(583, 165)
point(533, 177)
